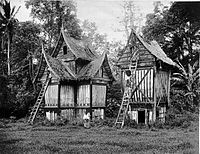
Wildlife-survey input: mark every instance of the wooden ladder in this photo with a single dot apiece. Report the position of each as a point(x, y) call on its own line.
point(40, 97)
point(128, 92)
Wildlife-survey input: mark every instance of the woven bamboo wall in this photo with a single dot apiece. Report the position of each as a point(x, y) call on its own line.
point(98, 95)
point(51, 96)
point(68, 114)
point(83, 96)
point(161, 84)
point(66, 96)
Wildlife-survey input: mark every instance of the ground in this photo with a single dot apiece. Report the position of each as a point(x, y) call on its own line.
point(20, 138)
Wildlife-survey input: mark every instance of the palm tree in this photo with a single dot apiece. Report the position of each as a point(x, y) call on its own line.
point(6, 25)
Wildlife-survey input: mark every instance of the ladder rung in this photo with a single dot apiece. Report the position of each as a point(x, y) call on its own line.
point(118, 122)
point(35, 108)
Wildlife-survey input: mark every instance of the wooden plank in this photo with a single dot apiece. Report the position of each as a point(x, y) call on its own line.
point(144, 96)
point(168, 89)
point(98, 95)
point(137, 82)
point(140, 87)
point(59, 98)
point(146, 85)
point(139, 102)
point(145, 82)
point(143, 87)
point(75, 100)
point(154, 93)
point(90, 100)
point(140, 82)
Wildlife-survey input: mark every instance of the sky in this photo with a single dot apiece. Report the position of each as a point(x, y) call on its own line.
point(107, 14)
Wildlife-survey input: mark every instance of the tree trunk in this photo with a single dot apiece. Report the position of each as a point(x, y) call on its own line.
point(8, 54)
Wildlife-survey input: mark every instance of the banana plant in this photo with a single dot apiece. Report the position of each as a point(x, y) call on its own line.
point(187, 80)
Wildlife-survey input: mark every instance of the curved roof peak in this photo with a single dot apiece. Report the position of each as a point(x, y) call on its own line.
point(78, 47)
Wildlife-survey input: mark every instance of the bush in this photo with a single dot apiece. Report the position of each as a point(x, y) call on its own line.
point(60, 121)
point(158, 124)
point(130, 123)
point(177, 119)
point(77, 122)
point(103, 122)
point(114, 97)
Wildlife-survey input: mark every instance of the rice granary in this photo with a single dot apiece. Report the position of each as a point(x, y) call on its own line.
point(75, 80)
point(145, 75)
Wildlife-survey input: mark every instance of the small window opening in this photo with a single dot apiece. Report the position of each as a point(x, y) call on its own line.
point(65, 50)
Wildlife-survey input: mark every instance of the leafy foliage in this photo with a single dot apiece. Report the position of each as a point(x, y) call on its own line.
point(52, 14)
point(114, 98)
point(177, 28)
point(98, 42)
point(26, 43)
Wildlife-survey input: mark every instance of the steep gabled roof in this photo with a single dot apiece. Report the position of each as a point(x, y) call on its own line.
point(90, 70)
point(78, 47)
point(153, 48)
point(156, 50)
point(60, 70)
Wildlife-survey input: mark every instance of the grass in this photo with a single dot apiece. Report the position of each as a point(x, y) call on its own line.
point(22, 138)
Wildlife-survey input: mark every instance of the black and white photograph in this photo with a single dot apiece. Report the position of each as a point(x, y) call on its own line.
point(99, 77)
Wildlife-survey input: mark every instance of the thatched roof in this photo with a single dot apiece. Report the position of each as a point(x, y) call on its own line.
point(153, 48)
point(90, 70)
point(156, 50)
point(78, 47)
point(60, 70)
point(63, 72)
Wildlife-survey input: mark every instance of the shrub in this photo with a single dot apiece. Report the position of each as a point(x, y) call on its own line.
point(177, 119)
point(130, 123)
point(77, 122)
point(158, 124)
point(103, 122)
point(60, 121)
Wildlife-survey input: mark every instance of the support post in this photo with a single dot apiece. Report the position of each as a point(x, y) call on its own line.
point(75, 100)
point(106, 103)
point(154, 93)
point(168, 90)
point(122, 78)
point(59, 87)
point(90, 100)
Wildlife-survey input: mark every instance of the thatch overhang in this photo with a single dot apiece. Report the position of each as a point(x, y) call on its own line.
point(153, 48)
point(90, 70)
point(79, 48)
point(157, 51)
point(61, 71)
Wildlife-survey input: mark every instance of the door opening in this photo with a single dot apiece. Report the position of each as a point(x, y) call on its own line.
point(141, 116)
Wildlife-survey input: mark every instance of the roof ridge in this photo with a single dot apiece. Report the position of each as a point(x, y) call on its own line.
point(45, 57)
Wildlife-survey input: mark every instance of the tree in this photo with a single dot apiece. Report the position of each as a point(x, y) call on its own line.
point(177, 30)
point(132, 18)
point(96, 41)
point(26, 44)
point(6, 22)
point(52, 14)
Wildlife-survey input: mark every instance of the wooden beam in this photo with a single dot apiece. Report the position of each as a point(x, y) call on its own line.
point(90, 100)
point(59, 88)
point(154, 93)
point(106, 103)
point(75, 100)
point(168, 90)
point(136, 102)
point(140, 82)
